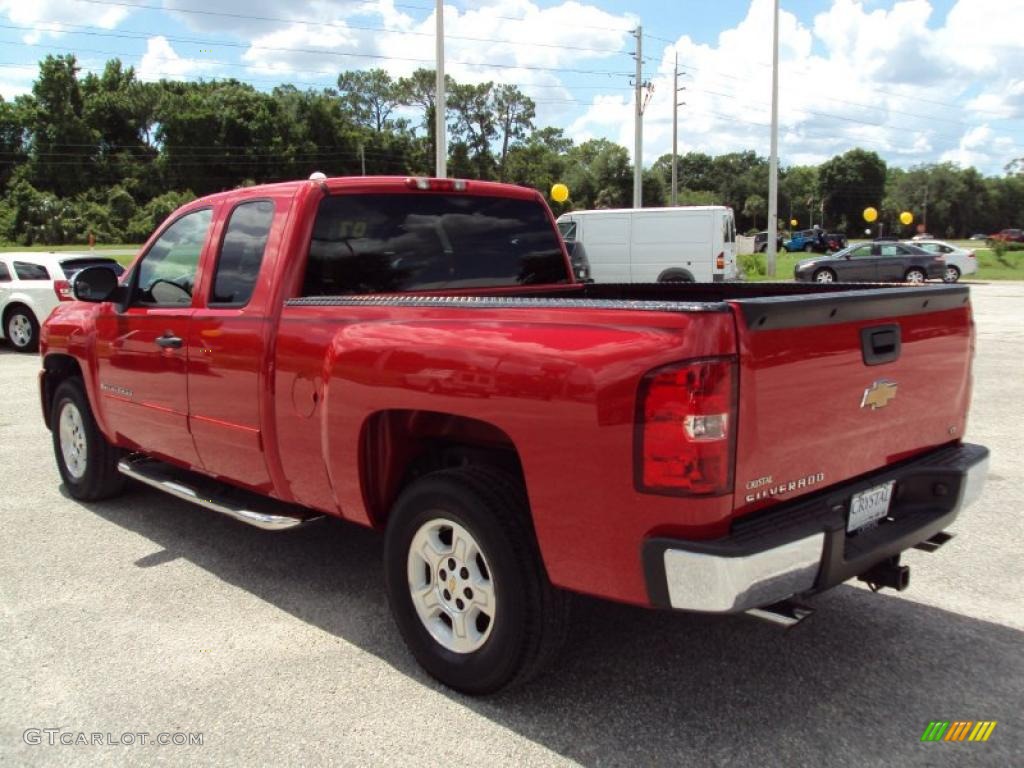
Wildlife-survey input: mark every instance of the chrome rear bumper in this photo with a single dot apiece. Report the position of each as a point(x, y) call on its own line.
point(803, 546)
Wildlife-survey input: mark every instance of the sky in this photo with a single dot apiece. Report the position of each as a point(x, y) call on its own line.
point(918, 81)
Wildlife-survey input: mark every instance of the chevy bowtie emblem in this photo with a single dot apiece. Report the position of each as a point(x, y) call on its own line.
point(879, 394)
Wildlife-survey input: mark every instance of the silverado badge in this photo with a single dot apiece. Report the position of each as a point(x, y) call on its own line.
point(879, 394)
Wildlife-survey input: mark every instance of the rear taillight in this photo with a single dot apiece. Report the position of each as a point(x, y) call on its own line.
point(437, 185)
point(63, 290)
point(686, 427)
point(720, 261)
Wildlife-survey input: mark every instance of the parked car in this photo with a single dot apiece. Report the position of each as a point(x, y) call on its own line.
point(416, 356)
point(959, 261)
point(815, 241)
point(761, 242)
point(31, 285)
point(978, 236)
point(1008, 236)
point(922, 236)
point(877, 262)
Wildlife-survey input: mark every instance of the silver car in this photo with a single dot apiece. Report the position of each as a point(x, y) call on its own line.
point(959, 261)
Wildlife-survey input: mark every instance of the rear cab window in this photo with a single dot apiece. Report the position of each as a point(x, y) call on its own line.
point(379, 243)
point(241, 253)
point(28, 271)
point(5, 273)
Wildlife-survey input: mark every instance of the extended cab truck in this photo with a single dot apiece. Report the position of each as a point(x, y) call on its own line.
point(415, 355)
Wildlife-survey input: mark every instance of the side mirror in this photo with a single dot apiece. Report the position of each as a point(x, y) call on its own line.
point(95, 284)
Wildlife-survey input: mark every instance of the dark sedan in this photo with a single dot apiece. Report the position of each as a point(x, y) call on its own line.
point(876, 262)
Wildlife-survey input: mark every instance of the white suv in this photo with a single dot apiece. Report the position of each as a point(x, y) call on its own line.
point(31, 285)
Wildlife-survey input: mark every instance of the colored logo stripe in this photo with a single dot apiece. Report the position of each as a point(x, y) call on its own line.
point(982, 731)
point(958, 730)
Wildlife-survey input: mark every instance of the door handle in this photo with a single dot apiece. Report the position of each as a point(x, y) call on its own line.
point(880, 344)
point(167, 341)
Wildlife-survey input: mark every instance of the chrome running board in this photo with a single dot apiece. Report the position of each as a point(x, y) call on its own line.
point(244, 506)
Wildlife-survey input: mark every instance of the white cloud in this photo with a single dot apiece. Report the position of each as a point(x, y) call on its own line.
point(49, 18)
point(10, 89)
point(878, 78)
point(161, 61)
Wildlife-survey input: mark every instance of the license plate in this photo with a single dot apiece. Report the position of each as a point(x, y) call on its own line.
point(868, 506)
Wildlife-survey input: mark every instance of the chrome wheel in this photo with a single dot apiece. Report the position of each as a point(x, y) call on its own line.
point(19, 330)
point(915, 276)
point(450, 585)
point(824, 277)
point(952, 275)
point(73, 445)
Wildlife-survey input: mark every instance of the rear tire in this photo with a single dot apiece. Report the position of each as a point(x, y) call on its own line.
point(466, 583)
point(824, 276)
point(951, 275)
point(914, 276)
point(21, 328)
point(86, 461)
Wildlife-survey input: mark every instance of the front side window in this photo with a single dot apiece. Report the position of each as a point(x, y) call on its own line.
point(241, 254)
point(861, 252)
point(568, 229)
point(167, 272)
point(379, 243)
point(26, 271)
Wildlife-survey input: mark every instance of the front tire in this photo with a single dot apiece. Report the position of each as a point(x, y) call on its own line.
point(824, 276)
point(808, 248)
point(466, 583)
point(86, 461)
point(951, 275)
point(22, 329)
point(914, 276)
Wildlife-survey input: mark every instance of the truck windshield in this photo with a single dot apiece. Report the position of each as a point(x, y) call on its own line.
point(381, 243)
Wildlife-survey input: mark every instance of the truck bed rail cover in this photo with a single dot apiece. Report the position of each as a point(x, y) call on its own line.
point(507, 302)
point(771, 313)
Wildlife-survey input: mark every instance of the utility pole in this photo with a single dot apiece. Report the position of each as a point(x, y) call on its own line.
point(675, 131)
point(773, 162)
point(440, 106)
point(924, 213)
point(362, 157)
point(638, 123)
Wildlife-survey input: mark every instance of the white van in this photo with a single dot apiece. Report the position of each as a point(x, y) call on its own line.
point(646, 245)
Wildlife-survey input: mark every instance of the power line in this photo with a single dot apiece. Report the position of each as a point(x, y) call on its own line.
point(316, 51)
point(334, 25)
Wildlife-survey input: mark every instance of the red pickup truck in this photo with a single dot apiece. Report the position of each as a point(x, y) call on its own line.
point(415, 355)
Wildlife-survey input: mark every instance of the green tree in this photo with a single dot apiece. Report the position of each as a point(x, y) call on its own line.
point(849, 183)
point(13, 135)
point(515, 112)
point(369, 97)
point(599, 174)
point(756, 208)
point(64, 147)
point(472, 128)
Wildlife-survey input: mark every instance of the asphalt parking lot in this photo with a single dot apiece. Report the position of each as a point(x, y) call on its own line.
point(147, 615)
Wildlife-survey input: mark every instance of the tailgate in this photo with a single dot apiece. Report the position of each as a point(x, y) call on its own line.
point(836, 385)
